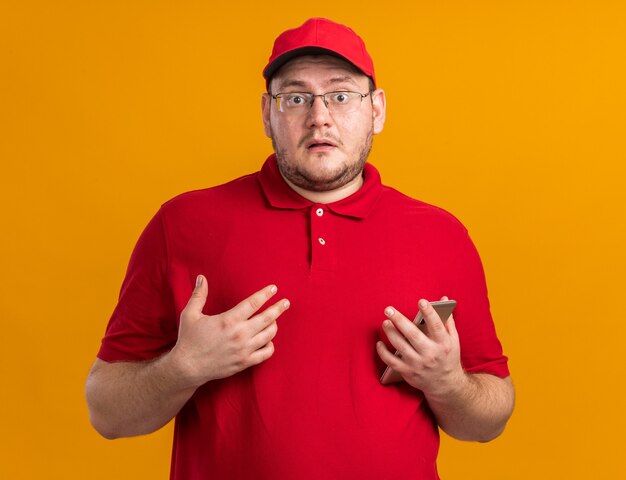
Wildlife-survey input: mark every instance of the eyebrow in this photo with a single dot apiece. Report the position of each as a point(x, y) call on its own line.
point(344, 79)
point(293, 83)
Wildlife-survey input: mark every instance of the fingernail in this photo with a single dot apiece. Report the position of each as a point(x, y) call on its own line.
point(273, 289)
point(286, 304)
point(389, 311)
point(198, 281)
point(423, 303)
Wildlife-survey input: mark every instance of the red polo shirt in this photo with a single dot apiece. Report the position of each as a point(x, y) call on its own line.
point(316, 409)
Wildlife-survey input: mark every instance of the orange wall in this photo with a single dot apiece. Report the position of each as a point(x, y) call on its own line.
point(509, 114)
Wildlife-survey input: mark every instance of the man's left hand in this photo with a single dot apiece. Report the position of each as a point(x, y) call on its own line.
point(430, 359)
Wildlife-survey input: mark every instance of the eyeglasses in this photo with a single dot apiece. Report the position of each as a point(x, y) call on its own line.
point(296, 103)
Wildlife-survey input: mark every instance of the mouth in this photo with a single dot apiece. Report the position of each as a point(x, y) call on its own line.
point(320, 145)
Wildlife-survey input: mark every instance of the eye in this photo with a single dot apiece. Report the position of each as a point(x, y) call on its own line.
point(295, 99)
point(341, 97)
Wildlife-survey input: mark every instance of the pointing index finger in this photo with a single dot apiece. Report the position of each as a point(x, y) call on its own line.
point(260, 322)
point(248, 307)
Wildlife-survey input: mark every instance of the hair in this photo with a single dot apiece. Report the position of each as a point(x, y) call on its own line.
point(353, 67)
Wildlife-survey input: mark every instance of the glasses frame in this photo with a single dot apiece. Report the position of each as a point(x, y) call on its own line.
point(314, 96)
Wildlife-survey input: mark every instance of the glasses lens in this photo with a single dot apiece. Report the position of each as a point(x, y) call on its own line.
point(344, 102)
point(293, 102)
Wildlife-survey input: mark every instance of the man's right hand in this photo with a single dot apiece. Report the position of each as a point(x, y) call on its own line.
point(217, 346)
point(135, 398)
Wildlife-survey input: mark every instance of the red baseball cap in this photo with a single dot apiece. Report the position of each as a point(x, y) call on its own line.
point(319, 36)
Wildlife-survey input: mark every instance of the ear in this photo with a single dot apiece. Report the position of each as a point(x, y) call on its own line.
point(379, 109)
point(266, 105)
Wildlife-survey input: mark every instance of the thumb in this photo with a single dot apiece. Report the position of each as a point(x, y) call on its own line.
point(198, 297)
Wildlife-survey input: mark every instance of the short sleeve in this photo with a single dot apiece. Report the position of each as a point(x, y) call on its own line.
point(481, 350)
point(143, 324)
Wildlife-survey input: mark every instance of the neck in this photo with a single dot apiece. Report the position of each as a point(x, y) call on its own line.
point(331, 195)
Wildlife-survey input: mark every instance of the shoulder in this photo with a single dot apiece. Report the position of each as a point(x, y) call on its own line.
point(411, 211)
point(239, 190)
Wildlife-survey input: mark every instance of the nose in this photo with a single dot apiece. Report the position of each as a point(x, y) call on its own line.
point(318, 113)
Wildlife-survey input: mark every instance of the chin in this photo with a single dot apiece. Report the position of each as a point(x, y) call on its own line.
point(319, 172)
point(324, 180)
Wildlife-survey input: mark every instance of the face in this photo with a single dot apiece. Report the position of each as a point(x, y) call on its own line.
point(316, 150)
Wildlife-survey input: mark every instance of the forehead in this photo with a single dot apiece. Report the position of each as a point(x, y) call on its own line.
point(313, 70)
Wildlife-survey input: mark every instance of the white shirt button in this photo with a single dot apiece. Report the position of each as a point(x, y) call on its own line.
point(322, 241)
point(319, 212)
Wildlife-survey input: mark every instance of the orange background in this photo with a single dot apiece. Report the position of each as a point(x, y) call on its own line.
point(509, 114)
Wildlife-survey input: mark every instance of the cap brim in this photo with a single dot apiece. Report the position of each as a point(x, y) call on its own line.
point(273, 67)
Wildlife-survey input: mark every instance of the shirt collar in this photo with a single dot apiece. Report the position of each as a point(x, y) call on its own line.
point(281, 195)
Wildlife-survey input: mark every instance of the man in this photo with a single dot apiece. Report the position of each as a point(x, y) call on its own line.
point(195, 333)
